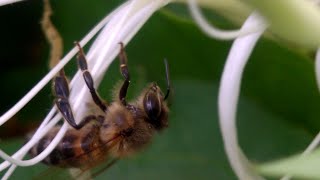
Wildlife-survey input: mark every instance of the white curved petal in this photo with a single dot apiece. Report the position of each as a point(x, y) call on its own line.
point(215, 32)
point(228, 98)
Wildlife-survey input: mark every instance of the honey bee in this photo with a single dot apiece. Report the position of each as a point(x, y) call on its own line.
point(119, 130)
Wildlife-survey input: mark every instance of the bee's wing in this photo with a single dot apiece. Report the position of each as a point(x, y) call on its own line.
point(96, 169)
point(105, 168)
point(79, 174)
point(93, 172)
point(56, 173)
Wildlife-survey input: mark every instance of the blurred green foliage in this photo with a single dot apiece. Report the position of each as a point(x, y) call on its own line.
point(278, 108)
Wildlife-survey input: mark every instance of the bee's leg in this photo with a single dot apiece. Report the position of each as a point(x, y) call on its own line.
point(82, 62)
point(125, 73)
point(61, 91)
point(167, 79)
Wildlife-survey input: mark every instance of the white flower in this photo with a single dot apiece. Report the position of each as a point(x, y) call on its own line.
point(295, 25)
point(124, 22)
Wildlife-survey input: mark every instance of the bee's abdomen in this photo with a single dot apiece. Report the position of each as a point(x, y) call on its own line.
point(76, 149)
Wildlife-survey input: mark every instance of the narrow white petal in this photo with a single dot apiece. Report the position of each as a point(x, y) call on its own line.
point(215, 32)
point(229, 94)
point(5, 2)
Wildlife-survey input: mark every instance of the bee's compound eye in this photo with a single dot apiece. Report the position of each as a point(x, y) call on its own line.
point(152, 106)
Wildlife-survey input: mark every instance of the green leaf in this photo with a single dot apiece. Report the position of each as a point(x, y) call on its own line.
point(278, 110)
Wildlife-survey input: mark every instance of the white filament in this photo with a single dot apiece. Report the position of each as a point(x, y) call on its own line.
point(229, 94)
point(5, 2)
point(215, 32)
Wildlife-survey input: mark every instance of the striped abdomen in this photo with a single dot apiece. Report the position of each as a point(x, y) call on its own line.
point(78, 148)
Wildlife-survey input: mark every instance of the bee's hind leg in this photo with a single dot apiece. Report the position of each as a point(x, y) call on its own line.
point(61, 91)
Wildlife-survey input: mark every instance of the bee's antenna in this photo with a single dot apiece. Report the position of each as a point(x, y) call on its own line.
point(167, 79)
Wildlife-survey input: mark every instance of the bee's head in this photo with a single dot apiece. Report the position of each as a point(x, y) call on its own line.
point(154, 104)
point(155, 107)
